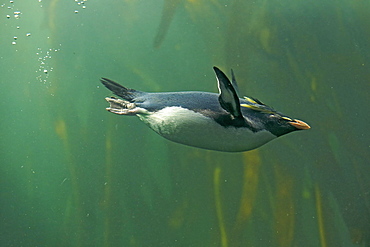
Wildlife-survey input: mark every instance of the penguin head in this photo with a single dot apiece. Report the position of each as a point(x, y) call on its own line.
point(280, 125)
point(260, 116)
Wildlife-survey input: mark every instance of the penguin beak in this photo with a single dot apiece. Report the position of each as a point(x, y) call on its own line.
point(299, 124)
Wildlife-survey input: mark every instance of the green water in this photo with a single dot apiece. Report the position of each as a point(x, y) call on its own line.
point(73, 174)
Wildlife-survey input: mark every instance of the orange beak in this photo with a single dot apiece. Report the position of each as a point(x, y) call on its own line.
point(300, 124)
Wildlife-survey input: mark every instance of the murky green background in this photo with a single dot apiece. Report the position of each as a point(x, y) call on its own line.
point(73, 174)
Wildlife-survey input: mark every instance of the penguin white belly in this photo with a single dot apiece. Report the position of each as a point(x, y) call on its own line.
point(194, 129)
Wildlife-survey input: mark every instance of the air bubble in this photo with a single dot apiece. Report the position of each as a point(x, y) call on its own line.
point(8, 16)
point(17, 14)
point(81, 3)
point(28, 34)
point(14, 43)
point(15, 37)
point(44, 69)
point(76, 11)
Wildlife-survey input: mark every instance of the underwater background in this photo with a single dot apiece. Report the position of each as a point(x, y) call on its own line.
point(72, 174)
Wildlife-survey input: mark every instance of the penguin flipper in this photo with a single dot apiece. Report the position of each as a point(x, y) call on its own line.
point(228, 98)
point(234, 83)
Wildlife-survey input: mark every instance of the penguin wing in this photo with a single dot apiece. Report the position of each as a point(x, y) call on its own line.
point(228, 98)
point(234, 83)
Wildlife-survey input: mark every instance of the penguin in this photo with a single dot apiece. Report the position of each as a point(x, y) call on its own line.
point(221, 122)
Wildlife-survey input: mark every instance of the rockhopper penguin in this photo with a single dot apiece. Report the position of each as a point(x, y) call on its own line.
point(222, 122)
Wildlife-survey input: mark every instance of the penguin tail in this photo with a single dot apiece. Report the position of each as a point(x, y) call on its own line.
point(119, 90)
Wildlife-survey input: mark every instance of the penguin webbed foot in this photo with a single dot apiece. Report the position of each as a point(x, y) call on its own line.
point(120, 107)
